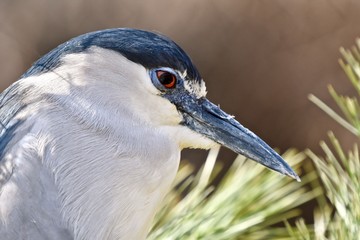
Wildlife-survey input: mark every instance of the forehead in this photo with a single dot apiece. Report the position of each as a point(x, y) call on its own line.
point(149, 49)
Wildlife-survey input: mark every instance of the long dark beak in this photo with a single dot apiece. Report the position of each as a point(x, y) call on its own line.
point(204, 117)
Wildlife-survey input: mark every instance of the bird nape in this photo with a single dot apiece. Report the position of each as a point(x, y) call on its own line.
point(91, 136)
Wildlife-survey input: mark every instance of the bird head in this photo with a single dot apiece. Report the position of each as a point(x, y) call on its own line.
point(150, 73)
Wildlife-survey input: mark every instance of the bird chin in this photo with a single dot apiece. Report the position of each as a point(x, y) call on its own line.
point(188, 138)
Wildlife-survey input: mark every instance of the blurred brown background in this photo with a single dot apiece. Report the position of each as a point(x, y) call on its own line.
point(260, 58)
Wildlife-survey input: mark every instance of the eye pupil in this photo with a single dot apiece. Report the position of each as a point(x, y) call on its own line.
point(167, 79)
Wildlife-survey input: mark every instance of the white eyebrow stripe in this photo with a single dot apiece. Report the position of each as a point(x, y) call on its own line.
point(183, 75)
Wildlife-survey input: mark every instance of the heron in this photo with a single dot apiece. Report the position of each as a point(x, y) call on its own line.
point(91, 135)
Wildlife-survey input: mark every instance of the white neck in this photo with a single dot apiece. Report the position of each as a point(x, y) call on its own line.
point(110, 189)
point(96, 185)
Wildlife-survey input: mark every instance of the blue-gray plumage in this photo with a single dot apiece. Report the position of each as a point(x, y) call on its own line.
point(10, 105)
point(146, 48)
point(90, 136)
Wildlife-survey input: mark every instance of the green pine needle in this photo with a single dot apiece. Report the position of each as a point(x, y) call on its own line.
point(246, 204)
point(338, 214)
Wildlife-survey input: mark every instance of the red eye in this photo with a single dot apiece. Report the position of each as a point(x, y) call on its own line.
point(167, 79)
